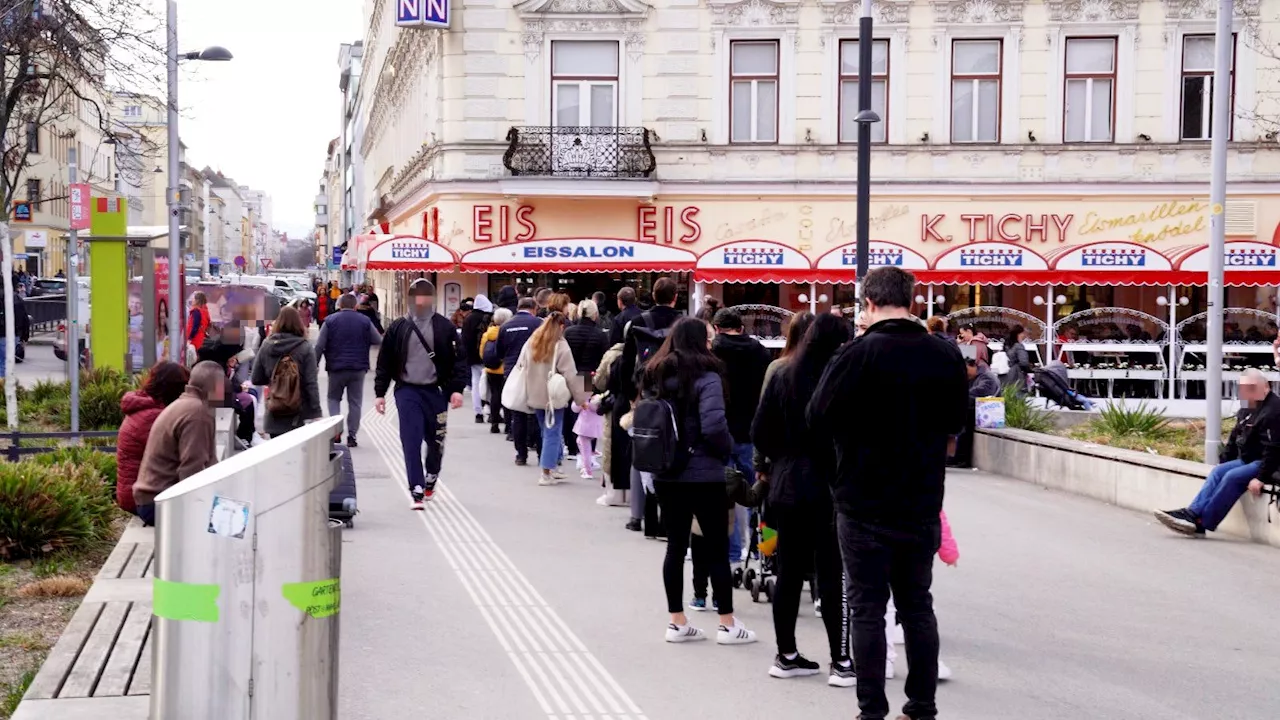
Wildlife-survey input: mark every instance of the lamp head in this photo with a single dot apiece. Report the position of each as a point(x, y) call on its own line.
point(1037, 300)
point(1162, 301)
point(215, 53)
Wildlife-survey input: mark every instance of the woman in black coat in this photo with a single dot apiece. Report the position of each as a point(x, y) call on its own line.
point(801, 509)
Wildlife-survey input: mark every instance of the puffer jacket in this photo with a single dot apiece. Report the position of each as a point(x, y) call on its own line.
point(601, 382)
point(490, 335)
point(275, 347)
point(588, 343)
point(705, 411)
point(537, 374)
point(140, 413)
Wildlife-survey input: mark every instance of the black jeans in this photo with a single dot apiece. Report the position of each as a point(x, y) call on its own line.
point(147, 513)
point(497, 414)
point(807, 544)
point(570, 437)
point(526, 434)
point(876, 559)
point(681, 503)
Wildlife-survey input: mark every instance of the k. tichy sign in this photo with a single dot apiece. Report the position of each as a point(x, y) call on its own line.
point(409, 253)
point(759, 260)
point(1237, 256)
point(1120, 258)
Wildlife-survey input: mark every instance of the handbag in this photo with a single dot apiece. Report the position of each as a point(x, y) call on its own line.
point(515, 393)
point(558, 394)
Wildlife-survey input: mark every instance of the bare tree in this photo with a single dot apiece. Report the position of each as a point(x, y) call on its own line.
point(60, 60)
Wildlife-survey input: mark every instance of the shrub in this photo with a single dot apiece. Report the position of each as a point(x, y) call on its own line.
point(102, 463)
point(1020, 414)
point(47, 508)
point(1143, 421)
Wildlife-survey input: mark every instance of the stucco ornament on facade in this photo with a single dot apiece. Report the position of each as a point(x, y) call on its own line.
point(1206, 9)
point(411, 54)
point(974, 12)
point(582, 17)
point(843, 13)
point(755, 13)
point(1093, 10)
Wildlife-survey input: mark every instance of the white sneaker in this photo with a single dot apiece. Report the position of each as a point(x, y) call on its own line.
point(586, 475)
point(545, 480)
point(557, 475)
point(687, 633)
point(736, 635)
point(603, 500)
point(895, 632)
point(944, 672)
point(888, 669)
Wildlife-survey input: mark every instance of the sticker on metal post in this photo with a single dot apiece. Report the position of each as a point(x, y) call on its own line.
point(228, 518)
point(196, 602)
point(319, 599)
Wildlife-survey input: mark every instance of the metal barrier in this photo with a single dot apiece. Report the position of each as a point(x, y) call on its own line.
point(14, 452)
point(247, 591)
point(46, 311)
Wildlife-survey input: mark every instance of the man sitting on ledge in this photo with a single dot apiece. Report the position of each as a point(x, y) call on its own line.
point(1250, 457)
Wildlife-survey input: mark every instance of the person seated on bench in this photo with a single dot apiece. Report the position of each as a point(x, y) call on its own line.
point(1249, 459)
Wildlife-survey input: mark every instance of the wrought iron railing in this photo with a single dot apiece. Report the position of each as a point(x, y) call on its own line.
point(603, 152)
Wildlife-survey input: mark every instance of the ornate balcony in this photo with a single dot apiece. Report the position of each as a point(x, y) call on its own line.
point(582, 152)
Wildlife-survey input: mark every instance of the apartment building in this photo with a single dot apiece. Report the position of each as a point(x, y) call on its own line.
point(584, 144)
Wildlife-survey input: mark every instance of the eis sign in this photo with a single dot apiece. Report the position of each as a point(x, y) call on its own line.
point(504, 224)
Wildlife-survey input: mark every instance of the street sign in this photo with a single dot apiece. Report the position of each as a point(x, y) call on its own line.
point(239, 261)
point(337, 256)
point(21, 211)
point(267, 263)
point(79, 195)
point(422, 13)
point(213, 261)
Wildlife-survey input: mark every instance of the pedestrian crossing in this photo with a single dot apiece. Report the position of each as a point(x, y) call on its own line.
point(566, 680)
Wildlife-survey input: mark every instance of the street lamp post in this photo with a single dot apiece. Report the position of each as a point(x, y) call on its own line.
point(1221, 130)
point(865, 117)
point(214, 53)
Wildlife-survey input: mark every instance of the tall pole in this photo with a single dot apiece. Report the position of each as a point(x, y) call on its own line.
point(1221, 129)
point(1048, 324)
point(864, 119)
point(1172, 341)
point(177, 345)
point(73, 305)
point(6, 269)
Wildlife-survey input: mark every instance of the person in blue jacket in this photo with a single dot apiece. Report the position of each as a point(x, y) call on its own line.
point(511, 339)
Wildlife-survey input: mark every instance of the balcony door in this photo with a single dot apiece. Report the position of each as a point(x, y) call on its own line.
point(584, 111)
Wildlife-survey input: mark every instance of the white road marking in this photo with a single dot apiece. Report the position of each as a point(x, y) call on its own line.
point(566, 680)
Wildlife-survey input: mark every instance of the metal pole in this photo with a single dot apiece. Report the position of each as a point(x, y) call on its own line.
point(928, 313)
point(813, 298)
point(6, 268)
point(864, 145)
point(1048, 319)
point(1170, 340)
point(1217, 228)
point(73, 307)
point(177, 346)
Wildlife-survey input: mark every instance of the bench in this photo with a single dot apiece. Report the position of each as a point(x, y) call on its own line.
point(101, 666)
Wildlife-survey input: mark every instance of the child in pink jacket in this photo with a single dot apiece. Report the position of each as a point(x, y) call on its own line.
point(949, 553)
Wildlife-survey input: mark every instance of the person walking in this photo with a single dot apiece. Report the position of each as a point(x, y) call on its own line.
point(164, 384)
point(198, 321)
point(745, 361)
point(888, 484)
point(687, 376)
point(286, 364)
point(511, 340)
point(493, 373)
point(551, 382)
point(422, 355)
point(473, 326)
point(802, 466)
point(344, 343)
point(588, 343)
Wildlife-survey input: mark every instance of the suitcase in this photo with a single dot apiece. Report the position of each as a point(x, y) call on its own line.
point(342, 499)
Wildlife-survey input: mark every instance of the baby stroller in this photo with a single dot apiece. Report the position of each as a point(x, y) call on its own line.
point(1053, 382)
point(764, 540)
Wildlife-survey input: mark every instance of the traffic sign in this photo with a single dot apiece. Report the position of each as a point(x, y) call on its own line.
point(239, 261)
point(267, 263)
point(422, 13)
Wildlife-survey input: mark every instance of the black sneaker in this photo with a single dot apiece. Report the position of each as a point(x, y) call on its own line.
point(842, 675)
point(494, 430)
point(1180, 521)
point(634, 525)
point(798, 666)
point(351, 441)
point(521, 462)
point(479, 419)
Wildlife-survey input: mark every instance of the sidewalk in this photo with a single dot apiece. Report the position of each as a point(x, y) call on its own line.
point(505, 600)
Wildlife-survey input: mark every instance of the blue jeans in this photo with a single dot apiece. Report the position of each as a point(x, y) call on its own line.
point(552, 438)
point(742, 461)
point(1224, 486)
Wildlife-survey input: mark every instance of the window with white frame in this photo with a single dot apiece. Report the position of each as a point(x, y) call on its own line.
point(976, 67)
point(849, 59)
point(753, 91)
point(584, 83)
point(1198, 56)
point(1088, 109)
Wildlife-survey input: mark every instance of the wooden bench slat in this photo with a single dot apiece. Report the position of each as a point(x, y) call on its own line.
point(151, 567)
point(124, 656)
point(116, 561)
point(138, 563)
point(57, 665)
point(141, 682)
point(93, 656)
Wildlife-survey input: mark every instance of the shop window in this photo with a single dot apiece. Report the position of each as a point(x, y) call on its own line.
point(849, 89)
point(1197, 86)
point(975, 90)
point(753, 91)
point(33, 194)
point(584, 83)
point(1089, 105)
point(33, 137)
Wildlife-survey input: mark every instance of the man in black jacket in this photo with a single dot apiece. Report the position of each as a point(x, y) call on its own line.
point(891, 401)
point(1251, 457)
point(421, 353)
point(627, 312)
point(476, 322)
point(523, 429)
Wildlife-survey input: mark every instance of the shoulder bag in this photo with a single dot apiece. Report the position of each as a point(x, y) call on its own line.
point(558, 394)
point(515, 393)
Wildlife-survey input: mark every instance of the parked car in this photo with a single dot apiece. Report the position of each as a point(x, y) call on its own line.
point(60, 343)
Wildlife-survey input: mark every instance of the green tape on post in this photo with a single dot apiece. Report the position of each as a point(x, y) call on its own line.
point(185, 601)
point(319, 599)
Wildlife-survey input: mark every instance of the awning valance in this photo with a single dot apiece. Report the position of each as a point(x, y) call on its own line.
point(579, 255)
point(753, 261)
point(407, 252)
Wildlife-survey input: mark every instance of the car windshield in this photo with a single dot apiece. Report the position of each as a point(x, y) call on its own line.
point(296, 285)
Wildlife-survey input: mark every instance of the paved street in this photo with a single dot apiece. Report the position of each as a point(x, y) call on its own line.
point(507, 600)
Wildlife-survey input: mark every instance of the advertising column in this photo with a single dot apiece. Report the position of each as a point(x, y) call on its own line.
point(111, 324)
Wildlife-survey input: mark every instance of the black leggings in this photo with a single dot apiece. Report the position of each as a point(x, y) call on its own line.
point(497, 413)
point(681, 503)
point(807, 544)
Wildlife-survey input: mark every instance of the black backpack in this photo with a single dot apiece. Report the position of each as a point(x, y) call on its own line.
point(658, 445)
point(642, 343)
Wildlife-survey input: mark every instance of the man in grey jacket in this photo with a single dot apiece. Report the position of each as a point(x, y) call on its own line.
point(344, 343)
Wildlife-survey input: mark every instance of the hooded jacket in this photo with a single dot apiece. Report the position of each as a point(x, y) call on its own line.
point(140, 413)
point(473, 326)
point(745, 361)
point(264, 365)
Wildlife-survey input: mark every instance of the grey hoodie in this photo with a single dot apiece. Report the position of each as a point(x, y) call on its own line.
point(273, 348)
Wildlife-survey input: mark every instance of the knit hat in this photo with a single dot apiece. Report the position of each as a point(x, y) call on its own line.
point(482, 304)
point(422, 286)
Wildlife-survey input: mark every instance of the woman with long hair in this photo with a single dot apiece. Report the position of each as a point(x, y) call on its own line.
point(796, 328)
point(164, 383)
point(288, 339)
point(547, 359)
point(686, 374)
point(802, 467)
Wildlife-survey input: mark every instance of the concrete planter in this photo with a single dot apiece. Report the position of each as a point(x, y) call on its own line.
point(1129, 479)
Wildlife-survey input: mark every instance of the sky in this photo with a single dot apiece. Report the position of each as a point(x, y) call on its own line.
point(266, 118)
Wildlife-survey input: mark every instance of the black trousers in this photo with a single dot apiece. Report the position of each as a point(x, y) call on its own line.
point(497, 414)
point(877, 559)
point(681, 503)
point(570, 437)
point(807, 545)
point(525, 433)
